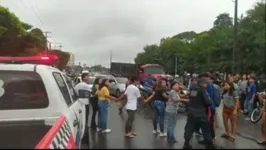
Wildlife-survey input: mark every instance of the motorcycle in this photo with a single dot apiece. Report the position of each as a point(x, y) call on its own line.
point(183, 105)
point(146, 92)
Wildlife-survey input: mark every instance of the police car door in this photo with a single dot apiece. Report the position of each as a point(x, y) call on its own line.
point(79, 109)
point(70, 114)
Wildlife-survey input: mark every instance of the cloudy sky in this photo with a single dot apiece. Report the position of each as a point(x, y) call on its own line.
point(92, 28)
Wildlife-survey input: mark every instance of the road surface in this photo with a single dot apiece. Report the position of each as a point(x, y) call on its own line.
point(246, 138)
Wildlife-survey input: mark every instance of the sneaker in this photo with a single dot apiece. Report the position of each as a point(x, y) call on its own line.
point(198, 133)
point(172, 141)
point(162, 134)
point(247, 118)
point(98, 129)
point(106, 131)
point(186, 146)
point(156, 131)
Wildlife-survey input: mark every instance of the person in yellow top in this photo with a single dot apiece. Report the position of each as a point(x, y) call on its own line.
point(104, 98)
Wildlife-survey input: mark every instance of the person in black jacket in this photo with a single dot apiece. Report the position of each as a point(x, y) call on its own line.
point(199, 102)
point(94, 102)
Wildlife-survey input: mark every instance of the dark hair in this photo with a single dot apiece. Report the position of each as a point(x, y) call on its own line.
point(231, 90)
point(252, 78)
point(204, 75)
point(159, 85)
point(213, 78)
point(83, 75)
point(96, 81)
point(194, 79)
point(133, 79)
point(102, 84)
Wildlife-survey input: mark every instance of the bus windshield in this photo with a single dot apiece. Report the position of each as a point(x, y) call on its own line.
point(153, 70)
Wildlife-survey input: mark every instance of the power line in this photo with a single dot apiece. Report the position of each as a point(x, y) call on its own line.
point(34, 11)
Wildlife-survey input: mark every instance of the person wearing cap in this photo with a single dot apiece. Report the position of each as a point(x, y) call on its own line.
point(193, 85)
point(84, 86)
point(82, 89)
point(198, 104)
point(171, 110)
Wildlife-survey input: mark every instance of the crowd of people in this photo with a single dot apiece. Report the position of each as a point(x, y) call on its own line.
point(203, 98)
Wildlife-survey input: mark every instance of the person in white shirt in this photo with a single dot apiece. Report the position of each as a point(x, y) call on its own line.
point(83, 88)
point(133, 94)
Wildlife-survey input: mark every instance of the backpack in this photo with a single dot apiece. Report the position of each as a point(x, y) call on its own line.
point(217, 95)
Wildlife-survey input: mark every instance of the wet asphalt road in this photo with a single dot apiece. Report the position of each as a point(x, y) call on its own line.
point(247, 133)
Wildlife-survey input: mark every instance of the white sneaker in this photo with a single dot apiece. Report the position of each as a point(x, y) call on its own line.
point(156, 131)
point(162, 134)
point(106, 131)
point(247, 118)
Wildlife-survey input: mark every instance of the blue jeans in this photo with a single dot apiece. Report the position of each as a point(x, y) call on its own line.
point(171, 121)
point(102, 114)
point(159, 107)
point(249, 107)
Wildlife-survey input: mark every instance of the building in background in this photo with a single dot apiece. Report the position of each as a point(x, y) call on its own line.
point(71, 61)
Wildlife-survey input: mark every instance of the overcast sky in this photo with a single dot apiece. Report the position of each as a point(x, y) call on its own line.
point(92, 28)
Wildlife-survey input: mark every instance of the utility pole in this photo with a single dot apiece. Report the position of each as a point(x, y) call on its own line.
point(175, 65)
point(46, 34)
point(235, 36)
point(60, 46)
point(111, 57)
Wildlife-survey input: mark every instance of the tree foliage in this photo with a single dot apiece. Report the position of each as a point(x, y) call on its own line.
point(18, 38)
point(63, 58)
point(212, 49)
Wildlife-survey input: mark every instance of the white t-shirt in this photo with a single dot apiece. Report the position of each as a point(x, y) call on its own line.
point(82, 86)
point(133, 94)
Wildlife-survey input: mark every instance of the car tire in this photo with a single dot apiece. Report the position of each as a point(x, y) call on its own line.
point(117, 93)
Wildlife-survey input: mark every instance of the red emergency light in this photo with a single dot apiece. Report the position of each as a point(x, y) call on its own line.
point(45, 60)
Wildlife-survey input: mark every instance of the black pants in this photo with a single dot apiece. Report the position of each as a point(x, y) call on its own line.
point(87, 111)
point(193, 122)
point(211, 123)
point(197, 129)
point(85, 139)
point(242, 101)
point(93, 116)
point(130, 120)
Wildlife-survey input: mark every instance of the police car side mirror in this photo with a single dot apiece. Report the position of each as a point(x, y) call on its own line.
point(84, 94)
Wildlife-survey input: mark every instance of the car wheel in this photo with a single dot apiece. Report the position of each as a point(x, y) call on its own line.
point(117, 93)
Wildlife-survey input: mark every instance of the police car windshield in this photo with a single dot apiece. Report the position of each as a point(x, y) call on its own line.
point(22, 90)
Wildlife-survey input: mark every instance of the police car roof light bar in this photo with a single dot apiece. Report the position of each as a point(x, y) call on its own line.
point(30, 59)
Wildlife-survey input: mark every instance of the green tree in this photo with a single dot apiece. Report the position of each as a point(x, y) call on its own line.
point(212, 49)
point(223, 20)
point(11, 32)
point(18, 38)
point(63, 58)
